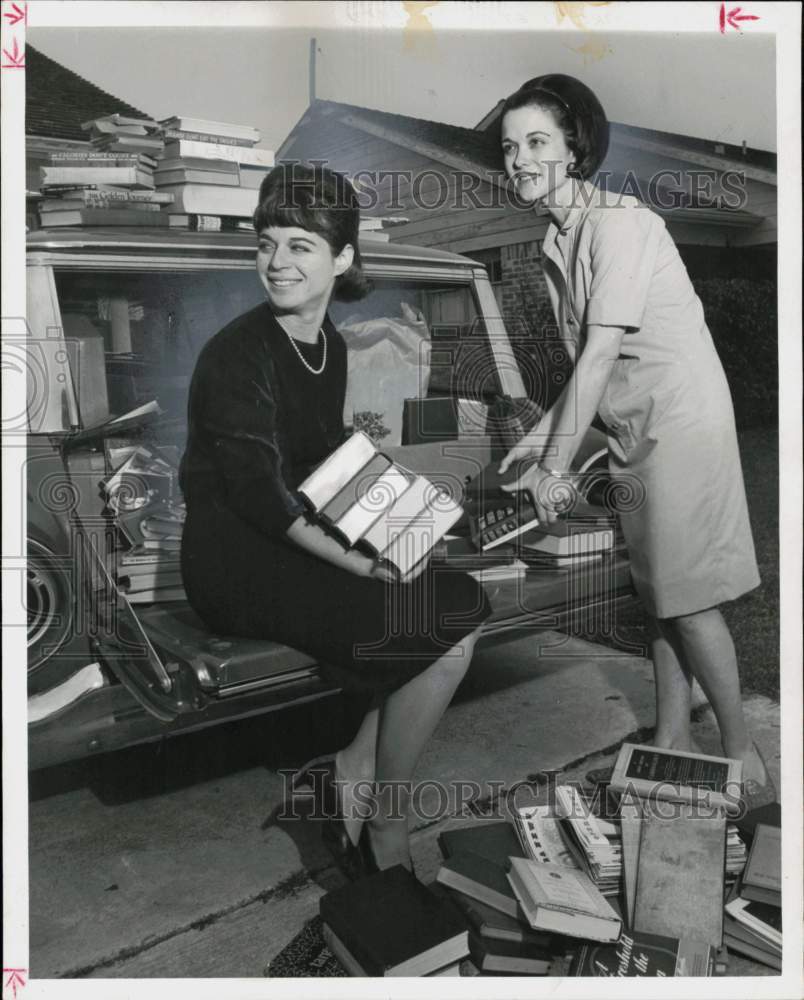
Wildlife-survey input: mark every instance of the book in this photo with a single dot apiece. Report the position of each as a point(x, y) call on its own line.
point(252, 177)
point(508, 958)
point(495, 841)
point(203, 125)
point(680, 875)
point(413, 514)
point(221, 140)
point(771, 815)
point(353, 492)
point(220, 151)
point(103, 195)
point(735, 929)
point(751, 950)
point(677, 776)
point(568, 538)
point(212, 199)
point(328, 478)
point(354, 968)
point(762, 877)
point(102, 158)
point(159, 576)
point(636, 954)
point(126, 143)
point(761, 918)
point(134, 176)
point(559, 899)
point(49, 206)
point(374, 499)
point(480, 879)
point(392, 925)
point(493, 925)
point(630, 834)
point(116, 121)
point(189, 175)
point(599, 856)
point(104, 217)
point(407, 530)
point(196, 163)
point(540, 835)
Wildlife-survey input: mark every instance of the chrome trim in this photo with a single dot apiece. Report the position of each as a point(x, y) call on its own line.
point(42, 706)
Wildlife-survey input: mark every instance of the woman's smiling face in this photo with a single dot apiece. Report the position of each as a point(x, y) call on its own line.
point(535, 152)
point(297, 267)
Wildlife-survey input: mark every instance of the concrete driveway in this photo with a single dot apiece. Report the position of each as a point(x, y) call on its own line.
point(170, 862)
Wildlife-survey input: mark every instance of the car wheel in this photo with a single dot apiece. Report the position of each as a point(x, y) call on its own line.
point(49, 603)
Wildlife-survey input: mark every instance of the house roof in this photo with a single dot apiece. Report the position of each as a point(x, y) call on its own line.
point(480, 145)
point(58, 100)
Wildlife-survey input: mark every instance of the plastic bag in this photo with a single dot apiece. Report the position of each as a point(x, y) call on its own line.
point(388, 362)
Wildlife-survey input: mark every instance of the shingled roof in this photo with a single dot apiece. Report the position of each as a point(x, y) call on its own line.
point(481, 145)
point(58, 100)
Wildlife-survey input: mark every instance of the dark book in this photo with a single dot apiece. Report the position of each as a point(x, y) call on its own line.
point(508, 958)
point(771, 959)
point(495, 841)
point(636, 954)
point(482, 880)
point(429, 419)
point(770, 815)
point(494, 926)
point(762, 877)
point(392, 925)
point(681, 876)
point(736, 929)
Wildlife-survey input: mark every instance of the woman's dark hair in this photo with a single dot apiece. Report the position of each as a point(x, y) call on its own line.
point(321, 201)
point(578, 113)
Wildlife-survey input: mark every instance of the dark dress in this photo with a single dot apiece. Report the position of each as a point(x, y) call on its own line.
point(258, 422)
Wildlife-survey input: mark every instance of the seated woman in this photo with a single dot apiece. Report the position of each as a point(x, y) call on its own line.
point(266, 404)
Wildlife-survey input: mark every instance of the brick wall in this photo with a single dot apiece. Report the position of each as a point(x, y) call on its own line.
point(525, 304)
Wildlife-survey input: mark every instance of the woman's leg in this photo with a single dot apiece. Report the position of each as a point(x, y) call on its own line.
point(673, 690)
point(707, 649)
point(356, 764)
point(407, 720)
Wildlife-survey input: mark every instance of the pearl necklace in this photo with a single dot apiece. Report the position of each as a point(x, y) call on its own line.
point(304, 361)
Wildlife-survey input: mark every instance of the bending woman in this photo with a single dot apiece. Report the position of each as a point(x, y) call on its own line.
point(646, 363)
point(266, 404)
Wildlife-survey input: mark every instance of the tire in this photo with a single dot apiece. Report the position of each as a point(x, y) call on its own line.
point(49, 603)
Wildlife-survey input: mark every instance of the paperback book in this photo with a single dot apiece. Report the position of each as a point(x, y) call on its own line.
point(637, 954)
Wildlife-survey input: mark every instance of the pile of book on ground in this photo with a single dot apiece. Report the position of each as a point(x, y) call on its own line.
point(644, 877)
point(142, 497)
point(180, 171)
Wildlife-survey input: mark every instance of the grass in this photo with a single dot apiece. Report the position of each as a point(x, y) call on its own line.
point(754, 618)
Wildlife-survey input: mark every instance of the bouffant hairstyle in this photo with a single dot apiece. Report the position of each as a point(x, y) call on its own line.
point(317, 199)
point(578, 113)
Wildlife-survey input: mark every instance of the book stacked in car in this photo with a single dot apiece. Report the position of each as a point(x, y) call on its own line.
point(212, 169)
point(368, 501)
point(111, 183)
point(389, 924)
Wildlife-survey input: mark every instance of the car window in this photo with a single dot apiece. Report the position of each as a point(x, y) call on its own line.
point(409, 338)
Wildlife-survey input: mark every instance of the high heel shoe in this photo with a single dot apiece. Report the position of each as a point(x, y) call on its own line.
point(305, 774)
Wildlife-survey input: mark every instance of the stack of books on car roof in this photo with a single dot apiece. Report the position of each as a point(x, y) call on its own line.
point(109, 184)
point(212, 170)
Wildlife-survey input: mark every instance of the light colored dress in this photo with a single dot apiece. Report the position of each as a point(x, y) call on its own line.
point(672, 439)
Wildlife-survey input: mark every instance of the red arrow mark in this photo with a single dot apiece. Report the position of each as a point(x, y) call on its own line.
point(733, 18)
point(16, 15)
point(16, 977)
point(16, 57)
